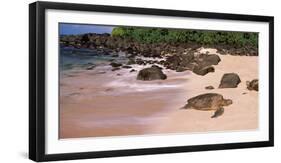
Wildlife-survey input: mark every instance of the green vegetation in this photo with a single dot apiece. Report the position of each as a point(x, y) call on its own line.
point(160, 35)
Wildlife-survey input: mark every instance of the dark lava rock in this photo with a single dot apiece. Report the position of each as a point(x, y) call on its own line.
point(115, 69)
point(212, 59)
point(201, 70)
point(133, 70)
point(230, 80)
point(222, 51)
point(207, 60)
point(140, 62)
point(209, 87)
point(162, 62)
point(253, 85)
point(126, 66)
point(242, 51)
point(179, 62)
point(152, 73)
point(114, 64)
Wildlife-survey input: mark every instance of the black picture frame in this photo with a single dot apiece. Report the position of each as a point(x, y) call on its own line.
point(37, 80)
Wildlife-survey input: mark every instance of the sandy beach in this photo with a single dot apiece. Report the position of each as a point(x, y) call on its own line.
point(101, 102)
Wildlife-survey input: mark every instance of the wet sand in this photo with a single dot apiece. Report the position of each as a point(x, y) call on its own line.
point(101, 102)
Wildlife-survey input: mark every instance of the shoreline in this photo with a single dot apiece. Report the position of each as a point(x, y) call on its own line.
point(95, 104)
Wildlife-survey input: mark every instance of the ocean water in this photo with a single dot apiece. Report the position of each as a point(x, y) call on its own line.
point(72, 58)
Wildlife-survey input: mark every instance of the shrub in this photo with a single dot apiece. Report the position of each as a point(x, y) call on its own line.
point(158, 35)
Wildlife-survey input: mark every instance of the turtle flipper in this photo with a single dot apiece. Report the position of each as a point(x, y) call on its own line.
point(218, 112)
point(187, 106)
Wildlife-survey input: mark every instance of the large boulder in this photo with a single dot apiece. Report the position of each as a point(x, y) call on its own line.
point(207, 60)
point(152, 73)
point(229, 80)
point(253, 85)
point(203, 70)
point(212, 59)
point(179, 62)
point(200, 65)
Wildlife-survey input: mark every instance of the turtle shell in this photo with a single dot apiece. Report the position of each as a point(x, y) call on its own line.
point(206, 101)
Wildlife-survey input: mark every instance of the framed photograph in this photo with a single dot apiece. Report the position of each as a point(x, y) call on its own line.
point(111, 81)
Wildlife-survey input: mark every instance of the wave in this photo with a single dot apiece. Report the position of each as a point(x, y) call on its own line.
point(127, 85)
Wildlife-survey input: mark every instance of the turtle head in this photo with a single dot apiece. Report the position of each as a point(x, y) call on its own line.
point(227, 102)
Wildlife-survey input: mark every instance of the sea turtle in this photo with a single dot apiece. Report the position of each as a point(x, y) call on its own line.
point(208, 101)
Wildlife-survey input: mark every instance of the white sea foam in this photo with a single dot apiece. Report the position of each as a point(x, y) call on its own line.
point(128, 83)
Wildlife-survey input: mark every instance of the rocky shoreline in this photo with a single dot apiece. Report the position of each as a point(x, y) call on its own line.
point(109, 44)
point(174, 56)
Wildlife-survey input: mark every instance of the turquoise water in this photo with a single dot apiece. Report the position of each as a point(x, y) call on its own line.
point(72, 58)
